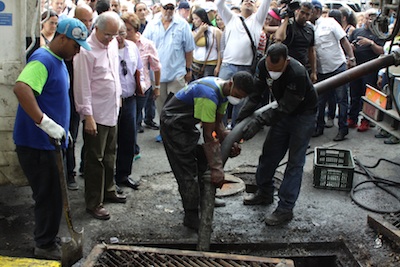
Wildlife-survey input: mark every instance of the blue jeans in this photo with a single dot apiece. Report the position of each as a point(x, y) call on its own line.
point(73, 129)
point(226, 72)
point(341, 96)
point(150, 108)
point(141, 102)
point(292, 133)
point(126, 139)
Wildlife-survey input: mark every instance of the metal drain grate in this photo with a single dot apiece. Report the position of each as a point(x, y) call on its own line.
point(118, 256)
point(394, 219)
point(387, 226)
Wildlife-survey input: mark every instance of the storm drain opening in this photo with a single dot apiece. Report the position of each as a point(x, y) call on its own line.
point(116, 255)
point(327, 254)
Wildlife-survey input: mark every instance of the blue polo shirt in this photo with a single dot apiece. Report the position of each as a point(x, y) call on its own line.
point(171, 44)
point(206, 97)
point(47, 75)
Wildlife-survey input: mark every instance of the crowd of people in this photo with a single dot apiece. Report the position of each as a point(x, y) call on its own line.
point(191, 63)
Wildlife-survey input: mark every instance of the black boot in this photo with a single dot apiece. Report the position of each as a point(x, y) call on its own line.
point(259, 198)
point(192, 219)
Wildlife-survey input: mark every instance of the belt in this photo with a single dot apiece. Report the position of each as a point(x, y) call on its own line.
point(127, 98)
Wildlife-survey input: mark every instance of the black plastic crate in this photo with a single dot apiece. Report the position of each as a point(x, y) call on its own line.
point(333, 168)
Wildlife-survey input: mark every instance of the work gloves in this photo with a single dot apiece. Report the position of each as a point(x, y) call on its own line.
point(50, 127)
point(253, 127)
point(212, 150)
point(235, 150)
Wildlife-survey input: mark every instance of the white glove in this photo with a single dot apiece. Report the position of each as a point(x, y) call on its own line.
point(50, 127)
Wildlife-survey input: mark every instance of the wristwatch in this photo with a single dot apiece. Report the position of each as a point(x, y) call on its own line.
point(188, 69)
point(352, 59)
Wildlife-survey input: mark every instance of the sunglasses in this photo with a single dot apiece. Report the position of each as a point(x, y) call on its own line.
point(169, 7)
point(79, 34)
point(124, 67)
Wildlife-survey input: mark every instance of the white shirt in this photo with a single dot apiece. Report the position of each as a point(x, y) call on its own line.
point(330, 55)
point(200, 52)
point(237, 42)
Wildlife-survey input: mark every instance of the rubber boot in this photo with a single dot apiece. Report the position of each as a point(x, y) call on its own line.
point(192, 219)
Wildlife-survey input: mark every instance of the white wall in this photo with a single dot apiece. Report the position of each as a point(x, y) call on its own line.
point(13, 34)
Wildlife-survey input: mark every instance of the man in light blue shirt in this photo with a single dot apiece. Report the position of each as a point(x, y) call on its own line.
point(175, 44)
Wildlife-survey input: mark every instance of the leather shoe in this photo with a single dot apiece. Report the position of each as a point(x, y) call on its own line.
point(115, 198)
point(259, 199)
point(99, 213)
point(340, 137)
point(129, 182)
point(318, 132)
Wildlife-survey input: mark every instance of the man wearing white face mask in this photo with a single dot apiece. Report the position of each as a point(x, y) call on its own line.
point(204, 100)
point(292, 124)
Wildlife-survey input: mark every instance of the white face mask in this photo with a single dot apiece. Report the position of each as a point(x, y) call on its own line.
point(233, 100)
point(275, 75)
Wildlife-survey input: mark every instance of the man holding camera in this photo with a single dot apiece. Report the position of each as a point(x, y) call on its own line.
point(330, 38)
point(298, 35)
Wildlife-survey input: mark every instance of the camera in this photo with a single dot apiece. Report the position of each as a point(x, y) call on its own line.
point(291, 7)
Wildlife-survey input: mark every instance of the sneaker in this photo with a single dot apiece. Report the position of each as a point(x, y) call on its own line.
point(382, 134)
point(340, 137)
point(158, 138)
point(364, 126)
point(278, 217)
point(140, 129)
point(329, 123)
point(392, 140)
point(219, 203)
point(351, 123)
point(259, 199)
point(151, 125)
point(51, 253)
point(71, 183)
point(137, 157)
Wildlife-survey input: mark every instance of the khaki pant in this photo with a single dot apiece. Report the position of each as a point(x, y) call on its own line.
point(99, 159)
point(166, 88)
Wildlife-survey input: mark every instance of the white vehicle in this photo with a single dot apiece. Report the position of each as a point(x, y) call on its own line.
point(338, 4)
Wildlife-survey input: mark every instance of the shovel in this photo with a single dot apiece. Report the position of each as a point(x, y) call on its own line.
point(71, 247)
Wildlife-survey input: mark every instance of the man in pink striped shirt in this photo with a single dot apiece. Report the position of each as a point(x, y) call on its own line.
point(98, 99)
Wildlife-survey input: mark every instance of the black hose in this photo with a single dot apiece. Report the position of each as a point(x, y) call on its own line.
point(379, 182)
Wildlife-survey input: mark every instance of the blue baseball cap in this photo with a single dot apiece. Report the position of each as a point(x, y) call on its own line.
point(317, 4)
point(74, 29)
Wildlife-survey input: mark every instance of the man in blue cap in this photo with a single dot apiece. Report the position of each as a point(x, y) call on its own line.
point(43, 114)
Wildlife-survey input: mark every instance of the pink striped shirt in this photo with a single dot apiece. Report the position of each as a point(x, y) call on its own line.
point(149, 56)
point(97, 88)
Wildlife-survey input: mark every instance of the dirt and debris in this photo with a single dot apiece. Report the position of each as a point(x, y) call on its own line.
point(326, 222)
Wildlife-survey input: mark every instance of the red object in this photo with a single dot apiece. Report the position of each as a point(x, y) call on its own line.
point(351, 123)
point(364, 126)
